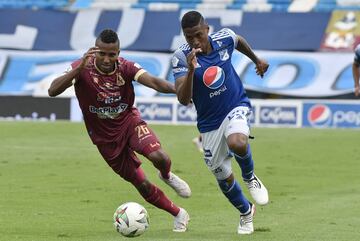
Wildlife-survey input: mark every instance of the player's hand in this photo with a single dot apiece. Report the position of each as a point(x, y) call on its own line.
point(90, 53)
point(261, 67)
point(191, 58)
point(357, 91)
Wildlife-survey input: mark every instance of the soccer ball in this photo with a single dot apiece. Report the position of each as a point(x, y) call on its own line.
point(131, 219)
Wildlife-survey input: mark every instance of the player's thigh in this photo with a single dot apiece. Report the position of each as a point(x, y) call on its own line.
point(215, 148)
point(125, 162)
point(237, 122)
point(143, 139)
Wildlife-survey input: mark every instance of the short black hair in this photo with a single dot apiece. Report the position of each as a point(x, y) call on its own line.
point(191, 19)
point(108, 36)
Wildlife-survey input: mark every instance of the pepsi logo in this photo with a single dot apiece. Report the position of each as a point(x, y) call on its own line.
point(319, 115)
point(214, 77)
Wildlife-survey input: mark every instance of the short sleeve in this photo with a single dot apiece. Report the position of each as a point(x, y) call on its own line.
point(232, 34)
point(133, 70)
point(179, 64)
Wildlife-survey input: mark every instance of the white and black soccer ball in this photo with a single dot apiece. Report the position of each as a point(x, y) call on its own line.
point(131, 219)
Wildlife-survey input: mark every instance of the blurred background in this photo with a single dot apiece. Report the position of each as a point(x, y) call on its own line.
point(308, 43)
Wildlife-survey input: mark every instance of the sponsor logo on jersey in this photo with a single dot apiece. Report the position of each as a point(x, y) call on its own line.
point(218, 92)
point(214, 77)
point(109, 98)
point(319, 115)
point(108, 111)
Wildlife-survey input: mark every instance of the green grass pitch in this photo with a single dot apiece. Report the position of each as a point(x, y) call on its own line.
point(55, 186)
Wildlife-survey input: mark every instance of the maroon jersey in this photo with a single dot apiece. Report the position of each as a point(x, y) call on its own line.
point(106, 100)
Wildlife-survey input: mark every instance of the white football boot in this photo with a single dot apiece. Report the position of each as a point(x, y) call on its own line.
point(257, 190)
point(246, 225)
point(181, 221)
point(179, 185)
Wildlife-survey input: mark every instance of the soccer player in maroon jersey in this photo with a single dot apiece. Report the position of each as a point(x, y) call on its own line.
point(103, 86)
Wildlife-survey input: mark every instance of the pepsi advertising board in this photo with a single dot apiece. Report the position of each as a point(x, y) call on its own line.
point(335, 115)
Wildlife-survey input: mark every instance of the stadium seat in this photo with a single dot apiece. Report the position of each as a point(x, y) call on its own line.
point(81, 4)
point(302, 5)
point(168, 5)
point(35, 4)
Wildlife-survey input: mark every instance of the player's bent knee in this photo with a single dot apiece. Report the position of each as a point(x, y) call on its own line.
point(238, 143)
point(239, 147)
point(158, 156)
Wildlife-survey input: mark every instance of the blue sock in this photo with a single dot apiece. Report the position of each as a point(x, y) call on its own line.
point(234, 194)
point(246, 164)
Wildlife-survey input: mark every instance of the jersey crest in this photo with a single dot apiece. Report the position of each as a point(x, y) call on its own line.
point(224, 55)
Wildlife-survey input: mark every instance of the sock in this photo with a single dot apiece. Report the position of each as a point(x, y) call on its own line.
point(234, 194)
point(158, 199)
point(246, 164)
point(248, 211)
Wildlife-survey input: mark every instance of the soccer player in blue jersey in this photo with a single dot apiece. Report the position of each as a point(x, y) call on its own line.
point(356, 70)
point(204, 74)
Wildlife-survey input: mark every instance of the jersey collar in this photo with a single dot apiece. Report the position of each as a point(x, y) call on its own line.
point(103, 73)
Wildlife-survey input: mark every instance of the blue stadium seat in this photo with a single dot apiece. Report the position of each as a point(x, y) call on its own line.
point(42, 4)
point(245, 5)
point(189, 4)
point(330, 5)
point(81, 4)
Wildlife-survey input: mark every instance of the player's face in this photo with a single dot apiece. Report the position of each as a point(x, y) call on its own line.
point(197, 37)
point(107, 56)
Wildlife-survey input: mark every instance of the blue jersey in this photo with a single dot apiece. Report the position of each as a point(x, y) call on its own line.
point(217, 89)
point(357, 54)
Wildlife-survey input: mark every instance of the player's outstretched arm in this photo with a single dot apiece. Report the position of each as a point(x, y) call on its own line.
point(156, 83)
point(61, 83)
point(244, 47)
point(356, 76)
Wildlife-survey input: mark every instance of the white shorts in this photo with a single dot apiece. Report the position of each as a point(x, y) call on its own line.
point(217, 154)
